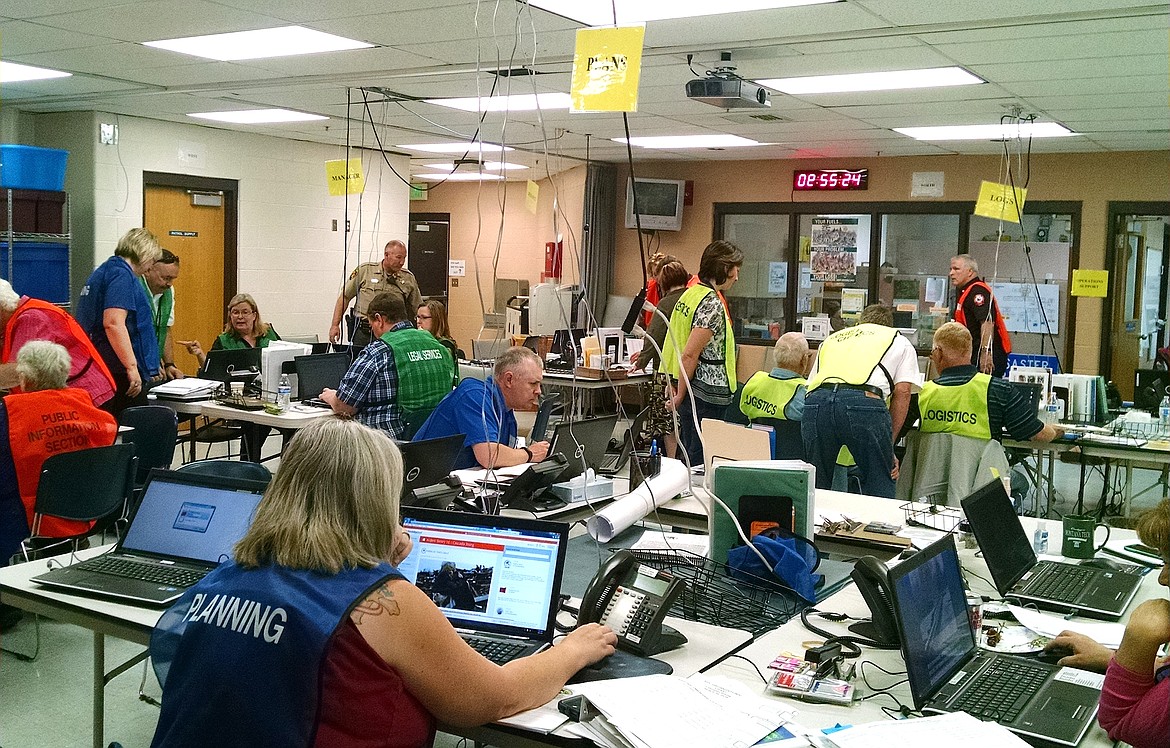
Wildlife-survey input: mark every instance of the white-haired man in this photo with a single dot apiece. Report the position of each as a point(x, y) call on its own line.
point(975, 309)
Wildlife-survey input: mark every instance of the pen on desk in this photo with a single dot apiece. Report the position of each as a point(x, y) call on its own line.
point(653, 447)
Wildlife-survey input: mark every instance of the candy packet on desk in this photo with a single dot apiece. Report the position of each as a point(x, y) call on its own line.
point(806, 686)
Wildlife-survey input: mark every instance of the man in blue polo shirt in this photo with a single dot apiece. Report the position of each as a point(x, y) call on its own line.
point(483, 412)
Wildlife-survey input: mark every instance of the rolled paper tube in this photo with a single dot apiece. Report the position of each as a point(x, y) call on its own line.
point(672, 479)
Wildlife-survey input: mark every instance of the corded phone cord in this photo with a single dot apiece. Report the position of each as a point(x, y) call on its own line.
point(850, 645)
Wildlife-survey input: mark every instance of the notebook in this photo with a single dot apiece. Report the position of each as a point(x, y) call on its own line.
point(583, 443)
point(947, 673)
point(497, 579)
point(184, 526)
point(1097, 593)
point(317, 372)
point(428, 463)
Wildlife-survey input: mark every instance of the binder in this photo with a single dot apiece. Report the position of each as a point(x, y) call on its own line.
point(759, 493)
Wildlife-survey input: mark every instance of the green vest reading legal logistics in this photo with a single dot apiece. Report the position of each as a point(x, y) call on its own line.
point(956, 408)
point(682, 319)
point(850, 356)
point(426, 370)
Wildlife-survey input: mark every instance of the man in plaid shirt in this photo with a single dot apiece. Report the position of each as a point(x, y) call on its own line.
point(401, 370)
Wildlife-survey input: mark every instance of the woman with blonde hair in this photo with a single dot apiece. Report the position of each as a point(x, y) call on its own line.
point(244, 329)
point(115, 312)
point(335, 647)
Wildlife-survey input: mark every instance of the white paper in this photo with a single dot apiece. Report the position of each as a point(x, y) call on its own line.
point(672, 478)
point(653, 540)
point(456, 268)
point(470, 476)
point(955, 730)
point(666, 711)
point(927, 184)
point(778, 278)
point(1050, 624)
point(936, 291)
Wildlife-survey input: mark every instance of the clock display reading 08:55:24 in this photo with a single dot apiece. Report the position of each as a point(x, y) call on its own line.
point(830, 179)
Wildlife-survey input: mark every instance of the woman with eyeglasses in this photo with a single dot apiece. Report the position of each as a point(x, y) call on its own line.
point(244, 329)
point(432, 317)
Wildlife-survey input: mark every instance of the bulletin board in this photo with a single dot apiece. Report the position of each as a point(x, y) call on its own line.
point(1020, 304)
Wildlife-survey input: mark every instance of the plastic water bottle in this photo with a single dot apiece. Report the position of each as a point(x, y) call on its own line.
point(1053, 410)
point(283, 392)
point(1040, 537)
point(1164, 411)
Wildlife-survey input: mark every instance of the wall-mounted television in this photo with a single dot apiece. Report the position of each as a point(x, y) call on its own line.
point(660, 203)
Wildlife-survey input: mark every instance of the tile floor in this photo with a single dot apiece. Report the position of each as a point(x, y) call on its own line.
point(46, 704)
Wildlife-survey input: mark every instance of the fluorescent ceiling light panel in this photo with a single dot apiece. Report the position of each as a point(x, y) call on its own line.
point(11, 72)
point(255, 45)
point(258, 116)
point(490, 166)
point(886, 81)
point(601, 12)
point(988, 132)
point(514, 103)
point(674, 142)
point(474, 147)
point(459, 176)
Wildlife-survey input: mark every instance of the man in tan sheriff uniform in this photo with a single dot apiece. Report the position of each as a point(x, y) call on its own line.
point(367, 281)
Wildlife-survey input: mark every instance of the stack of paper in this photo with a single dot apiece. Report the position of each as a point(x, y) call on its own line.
point(955, 730)
point(190, 388)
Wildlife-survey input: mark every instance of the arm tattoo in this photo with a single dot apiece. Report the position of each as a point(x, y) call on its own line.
point(380, 603)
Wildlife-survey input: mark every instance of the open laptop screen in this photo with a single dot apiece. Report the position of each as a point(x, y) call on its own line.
point(583, 443)
point(932, 617)
point(488, 573)
point(195, 517)
point(1007, 551)
point(318, 371)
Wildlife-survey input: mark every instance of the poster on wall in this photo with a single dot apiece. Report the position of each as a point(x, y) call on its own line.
point(834, 249)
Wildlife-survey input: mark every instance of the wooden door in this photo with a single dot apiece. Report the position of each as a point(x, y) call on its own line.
point(196, 234)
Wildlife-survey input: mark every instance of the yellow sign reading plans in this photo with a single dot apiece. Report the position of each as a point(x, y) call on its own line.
point(997, 201)
point(338, 183)
point(606, 67)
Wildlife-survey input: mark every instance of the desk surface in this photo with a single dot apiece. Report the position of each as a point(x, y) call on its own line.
point(297, 416)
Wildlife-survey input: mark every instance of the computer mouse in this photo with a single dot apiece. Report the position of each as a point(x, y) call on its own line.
point(1100, 562)
point(1055, 654)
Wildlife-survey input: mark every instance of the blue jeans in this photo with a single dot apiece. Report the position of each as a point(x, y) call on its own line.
point(688, 438)
point(853, 419)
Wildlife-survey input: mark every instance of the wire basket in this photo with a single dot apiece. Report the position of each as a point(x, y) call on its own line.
point(714, 597)
point(934, 516)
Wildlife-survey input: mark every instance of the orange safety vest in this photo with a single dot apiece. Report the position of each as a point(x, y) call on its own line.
point(79, 347)
point(1000, 328)
point(49, 422)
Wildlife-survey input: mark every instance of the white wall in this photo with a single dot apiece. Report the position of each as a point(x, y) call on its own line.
point(289, 258)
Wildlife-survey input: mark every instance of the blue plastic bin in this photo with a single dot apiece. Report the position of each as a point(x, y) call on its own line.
point(27, 167)
point(41, 270)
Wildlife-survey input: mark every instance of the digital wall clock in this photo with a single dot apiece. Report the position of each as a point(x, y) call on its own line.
point(830, 179)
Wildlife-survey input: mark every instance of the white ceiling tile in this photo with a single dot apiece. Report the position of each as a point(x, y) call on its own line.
point(160, 19)
point(22, 38)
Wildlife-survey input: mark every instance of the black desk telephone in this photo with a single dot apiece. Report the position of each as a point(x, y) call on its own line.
point(632, 599)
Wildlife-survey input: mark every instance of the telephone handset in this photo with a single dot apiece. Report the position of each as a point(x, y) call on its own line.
point(632, 599)
point(874, 584)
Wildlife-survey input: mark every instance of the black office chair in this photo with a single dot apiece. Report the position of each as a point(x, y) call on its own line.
point(229, 469)
point(550, 405)
point(89, 485)
point(156, 431)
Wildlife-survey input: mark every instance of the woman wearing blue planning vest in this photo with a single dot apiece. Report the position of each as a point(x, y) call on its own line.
point(311, 637)
point(699, 353)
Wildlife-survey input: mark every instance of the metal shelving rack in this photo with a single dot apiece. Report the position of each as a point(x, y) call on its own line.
point(11, 237)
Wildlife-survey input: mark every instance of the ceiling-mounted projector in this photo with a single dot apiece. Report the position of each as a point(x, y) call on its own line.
point(728, 93)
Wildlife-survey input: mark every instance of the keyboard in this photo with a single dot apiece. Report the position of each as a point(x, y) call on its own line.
point(1002, 689)
point(496, 650)
point(1060, 583)
point(121, 567)
point(315, 402)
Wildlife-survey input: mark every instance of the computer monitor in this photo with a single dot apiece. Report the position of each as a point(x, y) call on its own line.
point(1149, 388)
point(582, 443)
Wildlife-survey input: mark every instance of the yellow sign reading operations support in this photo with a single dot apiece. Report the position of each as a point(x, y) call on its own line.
point(997, 201)
point(1090, 283)
point(606, 68)
point(335, 172)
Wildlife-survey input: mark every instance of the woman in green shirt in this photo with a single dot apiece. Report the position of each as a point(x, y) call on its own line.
point(244, 329)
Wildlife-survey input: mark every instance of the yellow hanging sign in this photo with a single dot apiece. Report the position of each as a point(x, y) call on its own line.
point(606, 67)
point(341, 183)
point(1090, 283)
point(997, 201)
point(531, 196)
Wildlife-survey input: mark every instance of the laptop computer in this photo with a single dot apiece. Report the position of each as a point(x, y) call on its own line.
point(497, 579)
point(231, 365)
point(428, 463)
point(316, 372)
point(583, 443)
point(1052, 585)
point(183, 527)
point(948, 673)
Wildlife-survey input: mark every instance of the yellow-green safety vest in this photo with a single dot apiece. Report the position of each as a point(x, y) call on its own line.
point(850, 356)
point(765, 396)
point(682, 319)
point(956, 408)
